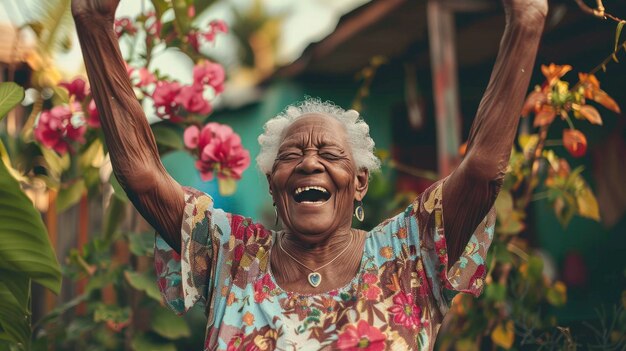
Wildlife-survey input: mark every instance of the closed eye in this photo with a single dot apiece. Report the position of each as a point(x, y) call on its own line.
point(330, 156)
point(289, 156)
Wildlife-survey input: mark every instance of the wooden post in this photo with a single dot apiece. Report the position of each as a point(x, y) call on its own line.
point(445, 84)
point(51, 225)
point(81, 240)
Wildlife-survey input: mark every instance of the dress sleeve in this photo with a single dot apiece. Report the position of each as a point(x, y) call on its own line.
point(185, 278)
point(447, 279)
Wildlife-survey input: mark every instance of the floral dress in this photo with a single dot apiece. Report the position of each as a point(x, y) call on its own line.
point(396, 301)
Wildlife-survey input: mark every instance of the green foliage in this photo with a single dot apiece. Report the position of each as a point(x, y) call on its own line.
point(11, 94)
point(168, 325)
point(143, 282)
point(25, 254)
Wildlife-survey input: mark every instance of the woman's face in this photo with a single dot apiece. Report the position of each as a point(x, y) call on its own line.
point(314, 180)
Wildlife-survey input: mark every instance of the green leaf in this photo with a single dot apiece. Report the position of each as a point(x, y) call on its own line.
point(496, 292)
point(118, 191)
point(169, 325)
point(114, 216)
point(116, 314)
point(535, 268)
point(69, 196)
point(11, 94)
point(202, 5)
point(19, 286)
point(59, 310)
point(160, 7)
point(510, 221)
point(587, 205)
point(618, 32)
point(143, 342)
point(557, 294)
point(168, 137)
point(13, 321)
point(141, 244)
point(145, 282)
point(25, 247)
point(56, 164)
point(93, 155)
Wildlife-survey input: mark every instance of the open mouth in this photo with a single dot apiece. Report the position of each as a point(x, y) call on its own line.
point(311, 195)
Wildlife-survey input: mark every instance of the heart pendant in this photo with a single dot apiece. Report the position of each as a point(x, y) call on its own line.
point(315, 279)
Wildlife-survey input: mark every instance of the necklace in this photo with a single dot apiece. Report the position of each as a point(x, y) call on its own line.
point(315, 278)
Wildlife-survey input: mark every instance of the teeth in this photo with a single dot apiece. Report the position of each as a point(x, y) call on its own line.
point(301, 189)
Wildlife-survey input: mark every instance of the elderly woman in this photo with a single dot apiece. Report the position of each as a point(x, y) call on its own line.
point(318, 283)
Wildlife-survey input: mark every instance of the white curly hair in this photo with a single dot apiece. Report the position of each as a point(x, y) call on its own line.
point(357, 131)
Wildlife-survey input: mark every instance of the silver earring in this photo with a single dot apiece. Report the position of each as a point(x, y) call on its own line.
point(275, 215)
point(359, 213)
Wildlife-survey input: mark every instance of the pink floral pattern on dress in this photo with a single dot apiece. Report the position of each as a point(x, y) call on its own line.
point(396, 301)
point(361, 337)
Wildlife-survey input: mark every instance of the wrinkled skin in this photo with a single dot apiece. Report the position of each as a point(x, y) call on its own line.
point(314, 233)
point(315, 152)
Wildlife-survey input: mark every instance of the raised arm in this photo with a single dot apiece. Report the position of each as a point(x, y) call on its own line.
point(132, 147)
point(472, 188)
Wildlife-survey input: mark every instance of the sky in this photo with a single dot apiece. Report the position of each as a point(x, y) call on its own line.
point(306, 21)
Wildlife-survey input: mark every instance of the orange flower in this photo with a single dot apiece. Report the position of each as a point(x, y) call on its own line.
point(591, 114)
point(248, 318)
point(231, 299)
point(534, 102)
point(386, 252)
point(575, 142)
point(554, 72)
point(401, 234)
point(544, 116)
point(592, 91)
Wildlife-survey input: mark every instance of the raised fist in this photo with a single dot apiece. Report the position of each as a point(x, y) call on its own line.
point(87, 9)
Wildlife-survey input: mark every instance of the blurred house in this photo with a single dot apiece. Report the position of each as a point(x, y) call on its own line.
point(15, 51)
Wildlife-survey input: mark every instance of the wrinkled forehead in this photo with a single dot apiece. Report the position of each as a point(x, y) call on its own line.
point(314, 128)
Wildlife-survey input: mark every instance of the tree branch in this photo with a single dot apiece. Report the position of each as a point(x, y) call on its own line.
point(599, 11)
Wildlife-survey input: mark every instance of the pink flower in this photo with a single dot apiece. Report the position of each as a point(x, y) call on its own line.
point(239, 251)
point(153, 24)
point(215, 27)
point(405, 312)
point(190, 97)
point(77, 88)
point(193, 37)
point(219, 149)
point(141, 77)
point(123, 26)
point(219, 26)
point(164, 97)
point(371, 291)
point(57, 127)
point(361, 337)
point(191, 137)
point(209, 73)
point(479, 274)
point(263, 288)
point(235, 342)
point(94, 117)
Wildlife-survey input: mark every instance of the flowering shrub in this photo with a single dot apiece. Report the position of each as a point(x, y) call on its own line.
point(217, 147)
point(516, 287)
point(555, 98)
point(75, 166)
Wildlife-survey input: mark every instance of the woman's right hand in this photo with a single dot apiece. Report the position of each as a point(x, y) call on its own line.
point(94, 8)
